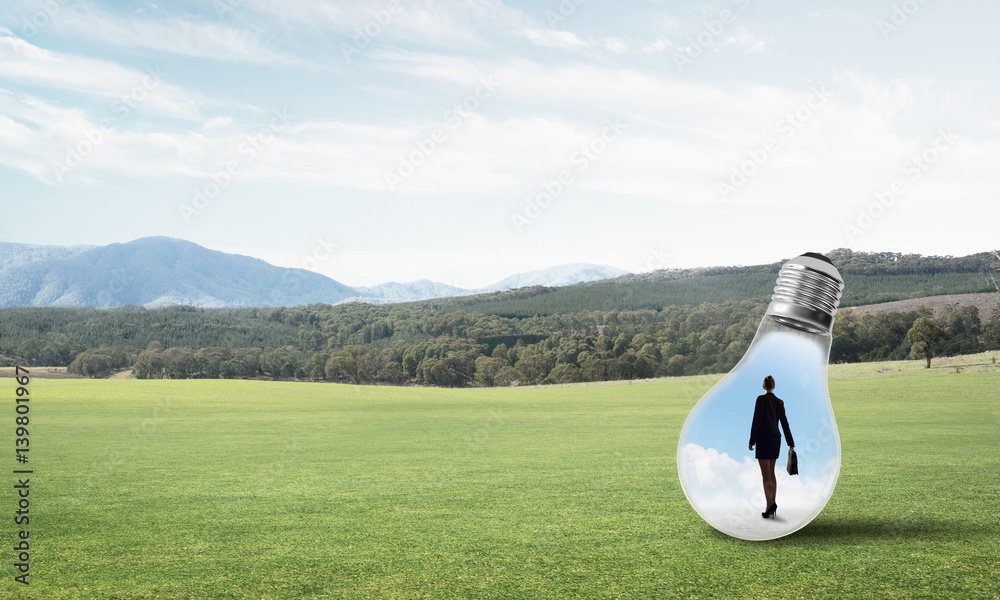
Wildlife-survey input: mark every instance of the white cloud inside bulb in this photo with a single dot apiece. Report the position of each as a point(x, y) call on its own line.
point(714, 480)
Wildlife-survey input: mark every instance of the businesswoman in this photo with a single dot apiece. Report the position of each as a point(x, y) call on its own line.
point(765, 435)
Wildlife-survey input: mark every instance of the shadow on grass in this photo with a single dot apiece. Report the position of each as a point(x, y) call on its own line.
point(885, 528)
point(870, 528)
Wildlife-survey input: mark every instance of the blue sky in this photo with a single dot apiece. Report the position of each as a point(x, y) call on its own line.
point(464, 141)
point(798, 364)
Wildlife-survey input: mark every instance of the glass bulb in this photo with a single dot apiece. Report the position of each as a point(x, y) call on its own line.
point(718, 472)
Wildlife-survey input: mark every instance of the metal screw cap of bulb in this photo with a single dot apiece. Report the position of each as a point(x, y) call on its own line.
point(807, 294)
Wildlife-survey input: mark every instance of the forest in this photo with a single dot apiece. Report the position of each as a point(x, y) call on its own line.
point(659, 324)
point(405, 345)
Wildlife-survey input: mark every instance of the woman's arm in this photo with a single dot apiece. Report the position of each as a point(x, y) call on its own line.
point(754, 424)
point(784, 424)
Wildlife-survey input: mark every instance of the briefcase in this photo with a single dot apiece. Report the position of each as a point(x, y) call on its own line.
point(793, 462)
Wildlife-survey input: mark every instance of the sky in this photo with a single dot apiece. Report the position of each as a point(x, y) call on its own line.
point(797, 362)
point(467, 140)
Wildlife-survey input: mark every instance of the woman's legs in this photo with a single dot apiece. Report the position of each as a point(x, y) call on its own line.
point(774, 483)
point(770, 481)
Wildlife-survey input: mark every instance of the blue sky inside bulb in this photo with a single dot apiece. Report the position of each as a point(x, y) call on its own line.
point(718, 472)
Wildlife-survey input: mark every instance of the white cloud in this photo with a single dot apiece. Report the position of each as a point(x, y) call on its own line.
point(186, 38)
point(438, 23)
point(218, 123)
point(688, 136)
point(719, 480)
point(616, 45)
point(453, 69)
point(682, 137)
point(667, 22)
point(306, 12)
point(511, 154)
point(26, 63)
point(658, 45)
point(172, 35)
point(747, 42)
point(897, 98)
point(387, 92)
point(614, 88)
point(36, 136)
point(552, 38)
point(729, 495)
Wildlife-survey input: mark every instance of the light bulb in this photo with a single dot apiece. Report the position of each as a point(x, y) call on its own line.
point(718, 472)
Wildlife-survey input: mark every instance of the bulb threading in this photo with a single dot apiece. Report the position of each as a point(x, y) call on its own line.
point(806, 294)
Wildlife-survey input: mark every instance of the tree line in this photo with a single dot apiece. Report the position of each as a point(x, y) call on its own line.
point(408, 345)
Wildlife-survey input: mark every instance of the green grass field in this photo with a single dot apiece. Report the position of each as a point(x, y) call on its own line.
point(235, 489)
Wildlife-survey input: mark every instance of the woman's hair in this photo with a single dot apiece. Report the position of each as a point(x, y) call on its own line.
point(769, 382)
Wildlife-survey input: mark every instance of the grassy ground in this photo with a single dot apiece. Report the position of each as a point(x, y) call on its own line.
point(985, 362)
point(229, 489)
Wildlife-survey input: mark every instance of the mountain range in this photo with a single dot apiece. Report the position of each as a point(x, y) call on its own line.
point(162, 271)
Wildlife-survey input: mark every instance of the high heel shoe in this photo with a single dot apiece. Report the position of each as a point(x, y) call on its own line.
point(771, 511)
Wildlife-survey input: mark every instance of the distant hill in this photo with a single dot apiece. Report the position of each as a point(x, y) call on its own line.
point(869, 278)
point(563, 275)
point(159, 271)
point(387, 293)
point(423, 289)
point(18, 254)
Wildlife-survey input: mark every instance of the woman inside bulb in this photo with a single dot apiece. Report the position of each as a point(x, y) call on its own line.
point(765, 435)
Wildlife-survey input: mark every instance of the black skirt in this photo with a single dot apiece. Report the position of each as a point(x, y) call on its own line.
point(768, 447)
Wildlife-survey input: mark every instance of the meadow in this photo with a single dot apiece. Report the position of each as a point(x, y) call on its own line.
point(251, 489)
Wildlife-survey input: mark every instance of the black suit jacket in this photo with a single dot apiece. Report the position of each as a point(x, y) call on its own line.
point(766, 414)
